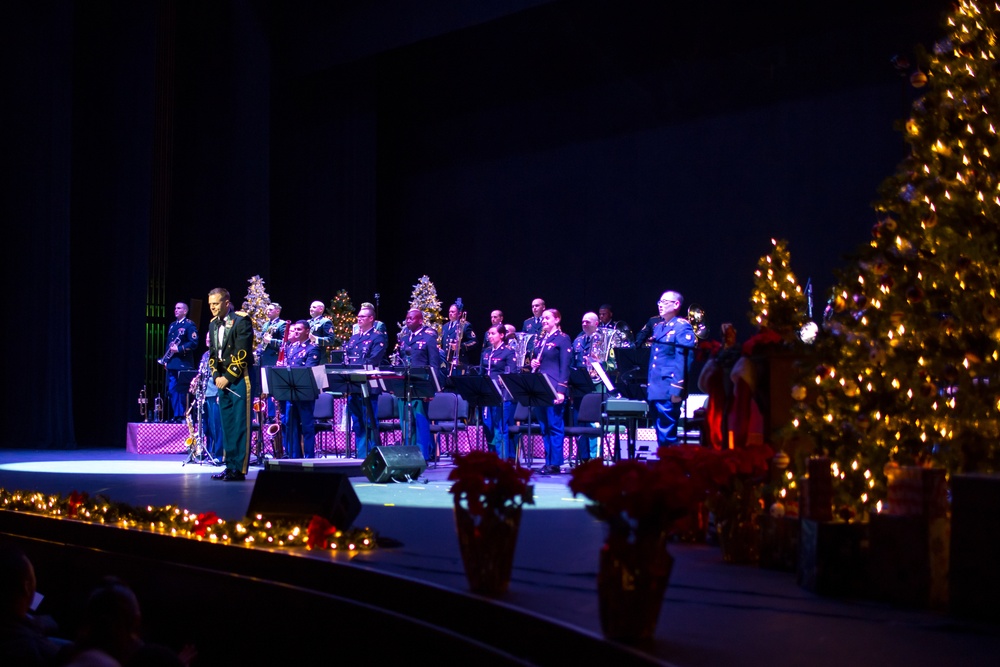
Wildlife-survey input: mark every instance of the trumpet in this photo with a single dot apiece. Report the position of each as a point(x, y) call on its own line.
point(169, 353)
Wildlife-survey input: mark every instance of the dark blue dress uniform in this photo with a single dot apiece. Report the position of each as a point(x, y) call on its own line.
point(419, 349)
point(532, 325)
point(322, 328)
point(665, 381)
point(366, 349)
point(646, 332)
point(555, 354)
point(497, 418)
point(231, 358)
point(299, 420)
point(449, 332)
point(583, 347)
point(185, 333)
point(268, 352)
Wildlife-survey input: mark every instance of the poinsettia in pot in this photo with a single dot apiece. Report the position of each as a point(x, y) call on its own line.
point(640, 503)
point(735, 480)
point(489, 496)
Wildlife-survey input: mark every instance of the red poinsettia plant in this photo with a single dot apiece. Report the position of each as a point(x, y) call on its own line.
point(486, 484)
point(732, 477)
point(636, 495)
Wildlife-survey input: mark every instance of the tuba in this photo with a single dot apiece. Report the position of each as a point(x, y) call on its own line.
point(522, 341)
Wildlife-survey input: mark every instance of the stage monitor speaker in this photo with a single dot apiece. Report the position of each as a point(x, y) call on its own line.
point(389, 464)
point(301, 494)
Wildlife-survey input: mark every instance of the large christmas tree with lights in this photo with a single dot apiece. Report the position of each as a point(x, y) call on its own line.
point(907, 364)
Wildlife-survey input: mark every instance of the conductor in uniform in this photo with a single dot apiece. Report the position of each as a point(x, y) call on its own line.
point(418, 347)
point(231, 354)
point(672, 340)
point(183, 337)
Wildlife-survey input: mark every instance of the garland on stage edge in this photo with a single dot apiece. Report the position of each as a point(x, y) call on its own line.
point(177, 522)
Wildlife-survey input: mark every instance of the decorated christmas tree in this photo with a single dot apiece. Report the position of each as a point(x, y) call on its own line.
point(907, 369)
point(777, 301)
point(342, 313)
point(255, 306)
point(424, 297)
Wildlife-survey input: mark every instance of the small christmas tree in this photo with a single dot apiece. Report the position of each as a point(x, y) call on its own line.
point(777, 301)
point(255, 305)
point(425, 299)
point(910, 354)
point(342, 313)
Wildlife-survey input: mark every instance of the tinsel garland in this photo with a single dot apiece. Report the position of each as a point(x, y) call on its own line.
point(177, 522)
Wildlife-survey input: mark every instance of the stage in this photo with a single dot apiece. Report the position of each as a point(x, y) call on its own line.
point(713, 614)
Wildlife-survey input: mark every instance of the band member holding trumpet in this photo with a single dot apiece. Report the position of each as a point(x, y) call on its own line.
point(496, 360)
point(553, 352)
point(179, 356)
point(320, 330)
point(586, 348)
point(366, 347)
point(230, 357)
point(299, 420)
point(457, 338)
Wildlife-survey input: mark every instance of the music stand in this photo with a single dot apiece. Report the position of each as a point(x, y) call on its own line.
point(408, 384)
point(633, 366)
point(351, 380)
point(480, 392)
point(580, 383)
point(532, 390)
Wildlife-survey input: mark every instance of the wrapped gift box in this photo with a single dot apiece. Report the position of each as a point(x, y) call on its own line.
point(974, 576)
point(833, 557)
point(909, 560)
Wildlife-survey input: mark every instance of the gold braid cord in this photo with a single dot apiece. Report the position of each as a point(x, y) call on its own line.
point(237, 364)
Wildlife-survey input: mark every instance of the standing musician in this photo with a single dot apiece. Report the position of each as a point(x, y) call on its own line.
point(320, 330)
point(672, 339)
point(553, 352)
point(418, 348)
point(300, 423)
point(457, 338)
point(179, 356)
point(585, 350)
point(533, 324)
point(379, 324)
point(497, 360)
point(366, 347)
point(231, 352)
point(272, 338)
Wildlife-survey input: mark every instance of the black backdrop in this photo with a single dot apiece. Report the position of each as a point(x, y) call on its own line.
point(586, 152)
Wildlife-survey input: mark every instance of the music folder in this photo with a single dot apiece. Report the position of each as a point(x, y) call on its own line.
point(294, 384)
point(530, 389)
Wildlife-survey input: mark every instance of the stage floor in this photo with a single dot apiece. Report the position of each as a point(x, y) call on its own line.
point(714, 613)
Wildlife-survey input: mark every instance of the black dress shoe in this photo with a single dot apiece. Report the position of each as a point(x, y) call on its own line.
point(233, 476)
point(220, 475)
